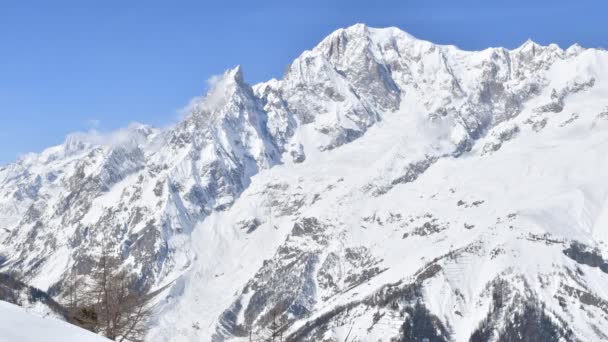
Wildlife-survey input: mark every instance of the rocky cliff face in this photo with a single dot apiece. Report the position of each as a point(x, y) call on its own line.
point(383, 180)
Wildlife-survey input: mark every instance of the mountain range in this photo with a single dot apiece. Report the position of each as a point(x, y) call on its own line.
point(386, 188)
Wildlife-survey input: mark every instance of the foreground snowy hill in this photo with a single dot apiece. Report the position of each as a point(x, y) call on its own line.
point(18, 325)
point(386, 187)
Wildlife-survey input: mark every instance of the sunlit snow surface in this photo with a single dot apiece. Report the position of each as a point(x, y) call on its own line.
point(18, 325)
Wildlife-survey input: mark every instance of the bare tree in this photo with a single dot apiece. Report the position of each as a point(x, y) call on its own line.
point(275, 328)
point(79, 308)
point(113, 304)
point(74, 290)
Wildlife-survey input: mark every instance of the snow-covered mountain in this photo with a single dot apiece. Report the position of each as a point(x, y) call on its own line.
point(384, 179)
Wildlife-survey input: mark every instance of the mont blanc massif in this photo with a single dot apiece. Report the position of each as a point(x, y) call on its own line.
point(385, 189)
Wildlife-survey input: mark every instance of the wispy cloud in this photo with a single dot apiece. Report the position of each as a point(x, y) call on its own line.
point(217, 89)
point(134, 135)
point(93, 123)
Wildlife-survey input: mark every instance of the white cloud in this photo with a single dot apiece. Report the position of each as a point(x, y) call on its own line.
point(93, 123)
point(132, 136)
point(218, 88)
point(212, 81)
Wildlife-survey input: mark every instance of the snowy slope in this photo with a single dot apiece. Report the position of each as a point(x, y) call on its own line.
point(18, 325)
point(381, 171)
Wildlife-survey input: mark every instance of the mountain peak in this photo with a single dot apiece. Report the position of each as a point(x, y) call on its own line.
point(359, 38)
point(377, 35)
point(221, 89)
point(528, 45)
point(358, 27)
point(574, 49)
point(235, 73)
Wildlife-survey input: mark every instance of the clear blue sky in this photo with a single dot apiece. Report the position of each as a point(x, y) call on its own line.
point(66, 66)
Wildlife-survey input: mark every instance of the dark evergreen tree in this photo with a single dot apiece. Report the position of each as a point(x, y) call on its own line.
point(483, 333)
point(531, 325)
point(421, 325)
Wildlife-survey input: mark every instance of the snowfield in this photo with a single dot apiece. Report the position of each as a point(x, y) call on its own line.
point(384, 179)
point(18, 325)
